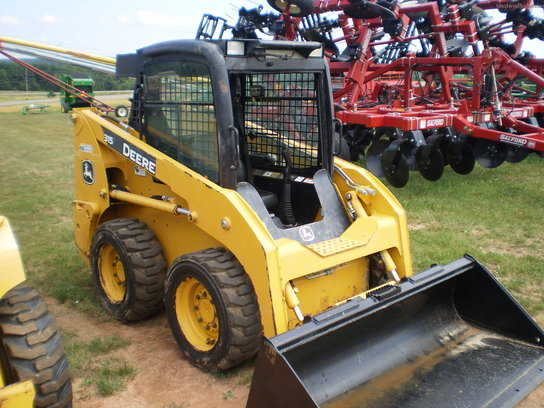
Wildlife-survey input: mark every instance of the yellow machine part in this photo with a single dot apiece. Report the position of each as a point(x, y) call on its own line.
point(12, 265)
point(20, 395)
point(220, 217)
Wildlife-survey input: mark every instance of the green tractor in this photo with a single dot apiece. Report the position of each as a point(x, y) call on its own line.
point(83, 83)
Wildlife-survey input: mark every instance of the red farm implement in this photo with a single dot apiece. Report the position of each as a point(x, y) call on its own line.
point(420, 85)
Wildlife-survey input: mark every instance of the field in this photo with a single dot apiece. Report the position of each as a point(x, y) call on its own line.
point(15, 101)
point(493, 214)
point(25, 96)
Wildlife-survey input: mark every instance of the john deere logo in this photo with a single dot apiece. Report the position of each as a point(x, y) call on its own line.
point(306, 234)
point(87, 171)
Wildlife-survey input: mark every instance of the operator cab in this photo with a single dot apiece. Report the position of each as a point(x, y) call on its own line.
point(254, 116)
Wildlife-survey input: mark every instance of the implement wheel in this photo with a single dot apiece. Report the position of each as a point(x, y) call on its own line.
point(212, 309)
point(128, 269)
point(31, 348)
point(297, 8)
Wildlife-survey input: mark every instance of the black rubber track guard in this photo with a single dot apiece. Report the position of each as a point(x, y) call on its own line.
point(451, 336)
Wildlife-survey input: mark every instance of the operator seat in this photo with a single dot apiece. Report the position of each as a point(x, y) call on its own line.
point(269, 198)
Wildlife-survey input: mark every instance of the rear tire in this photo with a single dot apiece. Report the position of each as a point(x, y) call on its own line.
point(213, 310)
point(298, 8)
point(32, 348)
point(128, 269)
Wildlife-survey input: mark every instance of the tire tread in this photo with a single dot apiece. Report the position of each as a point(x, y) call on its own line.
point(33, 347)
point(148, 266)
point(244, 319)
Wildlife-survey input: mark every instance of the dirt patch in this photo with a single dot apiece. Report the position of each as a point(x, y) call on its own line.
point(515, 252)
point(418, 226)
point(534, 400)
point(164, 379)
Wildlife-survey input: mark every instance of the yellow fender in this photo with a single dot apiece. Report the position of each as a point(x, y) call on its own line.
point(20, 395)
point(11, 269)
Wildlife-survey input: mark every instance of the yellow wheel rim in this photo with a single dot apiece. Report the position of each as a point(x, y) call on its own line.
point(112, 273)
point(196, 314)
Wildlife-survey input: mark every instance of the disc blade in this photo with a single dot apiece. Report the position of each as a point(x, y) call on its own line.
point(489, 153)
point(461, 157)
point(430, 162)
point(516, 154)
point(374, 155)
point(395, 167)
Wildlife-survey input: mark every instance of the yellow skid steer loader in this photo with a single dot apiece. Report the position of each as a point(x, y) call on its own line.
point(221, 199)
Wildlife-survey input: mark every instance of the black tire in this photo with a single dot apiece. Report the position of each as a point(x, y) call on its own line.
point(216, 272)
point(298, 8)
point(342, 146)
point(32, 348)
point(133, 286)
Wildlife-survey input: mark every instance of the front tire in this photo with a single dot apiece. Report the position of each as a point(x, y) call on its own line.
point(128, 269)
point(32, 348)
point(213, 310)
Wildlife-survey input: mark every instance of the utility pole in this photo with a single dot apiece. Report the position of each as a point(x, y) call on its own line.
point(26, 79)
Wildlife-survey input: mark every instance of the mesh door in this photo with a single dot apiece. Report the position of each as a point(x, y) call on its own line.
point(281, 109)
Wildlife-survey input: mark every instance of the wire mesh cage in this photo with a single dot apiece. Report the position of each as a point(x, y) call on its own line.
point(281, 109)
point(180, 115)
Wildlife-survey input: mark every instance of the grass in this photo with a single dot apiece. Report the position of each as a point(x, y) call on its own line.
point(53, 104)
point(493, 214)
point(37, 192)
point(30, 95)
point(23, 96)
point(228, 395)
point(96, 364)
point(241, 375)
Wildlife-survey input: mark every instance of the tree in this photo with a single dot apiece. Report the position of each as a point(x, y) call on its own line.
point(12, 77)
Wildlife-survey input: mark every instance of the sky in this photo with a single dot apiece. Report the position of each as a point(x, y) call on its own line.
point(109, 28)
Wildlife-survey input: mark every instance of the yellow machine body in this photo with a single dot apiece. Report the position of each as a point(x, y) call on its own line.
point(21, 394)
point(324, 274)
point(12, 265)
